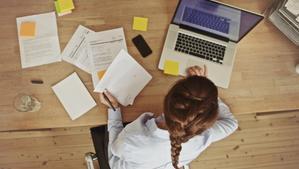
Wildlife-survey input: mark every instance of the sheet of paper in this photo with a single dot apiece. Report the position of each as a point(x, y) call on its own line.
point(124, 79)
point(75, 51)
point(74, 96)
point(44, 48)
point(293, 7)
point(140, 23)
point(102, 48)
point(171, 67)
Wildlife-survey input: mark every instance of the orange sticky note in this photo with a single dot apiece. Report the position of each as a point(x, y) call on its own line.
point(171, 67)
point(27, 29)
point(101, 74)
point(140, 23)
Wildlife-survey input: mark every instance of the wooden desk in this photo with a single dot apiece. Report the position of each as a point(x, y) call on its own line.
point(263, 78)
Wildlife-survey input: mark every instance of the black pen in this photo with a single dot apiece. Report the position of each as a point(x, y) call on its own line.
point(109, 102)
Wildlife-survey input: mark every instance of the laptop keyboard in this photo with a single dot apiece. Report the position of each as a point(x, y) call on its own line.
point(206, 20)
point(200, 48)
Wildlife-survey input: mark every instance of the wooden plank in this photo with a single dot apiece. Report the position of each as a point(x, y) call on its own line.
point(263, 77)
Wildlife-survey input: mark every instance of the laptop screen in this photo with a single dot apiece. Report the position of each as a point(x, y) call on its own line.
point(216, 18)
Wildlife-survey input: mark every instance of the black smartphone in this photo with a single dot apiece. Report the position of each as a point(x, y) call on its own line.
point(142, 46)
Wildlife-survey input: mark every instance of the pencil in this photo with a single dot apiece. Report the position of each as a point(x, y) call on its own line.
point(109, 102)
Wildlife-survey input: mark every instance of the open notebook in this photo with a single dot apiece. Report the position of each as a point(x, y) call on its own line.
point(124, 79)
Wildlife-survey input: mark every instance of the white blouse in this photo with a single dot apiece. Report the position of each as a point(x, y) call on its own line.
point(142, 145)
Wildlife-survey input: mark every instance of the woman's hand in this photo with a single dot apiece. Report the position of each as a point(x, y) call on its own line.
point(112, 99)
point(197, 71)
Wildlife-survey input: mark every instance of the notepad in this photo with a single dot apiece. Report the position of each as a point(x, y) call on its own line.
point(28, 29)
point(140, 23)
point(171, 67)
point(124, 79)
point(74, 96)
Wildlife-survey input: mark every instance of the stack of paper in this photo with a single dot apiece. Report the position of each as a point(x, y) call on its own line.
point(284, 15)
point(64, 7)
point(38, 39)
point(124, 79)
point(102, 48)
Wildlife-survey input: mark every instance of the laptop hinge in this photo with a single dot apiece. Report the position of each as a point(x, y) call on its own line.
point(204, 32)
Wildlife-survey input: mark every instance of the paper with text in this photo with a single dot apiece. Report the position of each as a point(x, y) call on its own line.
point(44, 48)
point(102, 48)
point(124, 79)
point(75, 51)
point(74, 96)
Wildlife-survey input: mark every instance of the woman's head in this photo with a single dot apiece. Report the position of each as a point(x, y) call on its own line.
point(190, 107)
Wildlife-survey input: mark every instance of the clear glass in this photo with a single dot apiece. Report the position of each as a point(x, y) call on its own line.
point(26, 103)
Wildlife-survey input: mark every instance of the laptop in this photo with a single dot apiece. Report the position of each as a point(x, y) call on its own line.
point(204, 32)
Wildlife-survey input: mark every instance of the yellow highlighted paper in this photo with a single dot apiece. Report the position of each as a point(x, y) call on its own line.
point(27, 29)
point(140, 23)
point(101, 74)
point(171, 67)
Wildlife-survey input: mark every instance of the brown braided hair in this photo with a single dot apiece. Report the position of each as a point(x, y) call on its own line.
point(190, 107)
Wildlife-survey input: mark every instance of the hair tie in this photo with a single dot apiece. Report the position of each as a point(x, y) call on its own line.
point(196, 98)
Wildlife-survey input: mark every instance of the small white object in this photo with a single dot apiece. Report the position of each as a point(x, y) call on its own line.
point(44, 48)
point(74, 96)
point(124, 79)
point(297, 68)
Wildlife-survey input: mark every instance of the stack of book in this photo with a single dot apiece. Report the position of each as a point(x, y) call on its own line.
point(285, 16)
point(64, 7)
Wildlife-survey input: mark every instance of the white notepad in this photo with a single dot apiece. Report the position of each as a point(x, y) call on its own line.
point(124, 79)
point(74, 96)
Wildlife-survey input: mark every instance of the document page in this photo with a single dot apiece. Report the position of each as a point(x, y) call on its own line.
point(75, 51)
point(102, 48)
point(124, 79)
point(74, 96)
point(43, 46)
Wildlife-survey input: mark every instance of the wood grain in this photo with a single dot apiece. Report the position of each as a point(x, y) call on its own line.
point(263, 78)
point(258, 143)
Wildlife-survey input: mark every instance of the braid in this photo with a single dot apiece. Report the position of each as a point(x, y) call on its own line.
point(176, 148)
point(190, 107)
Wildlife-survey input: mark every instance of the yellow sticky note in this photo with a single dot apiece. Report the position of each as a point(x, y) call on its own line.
point(101, 74)
point(171, 67)
point(27, 29)
point(65, 5)
point(140, 23)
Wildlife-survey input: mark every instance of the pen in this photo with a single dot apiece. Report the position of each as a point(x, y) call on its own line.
point(109, 102)
point(37, 81)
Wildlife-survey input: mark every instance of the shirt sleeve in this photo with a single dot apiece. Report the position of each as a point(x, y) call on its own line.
point(114, 127)
point(225, 125)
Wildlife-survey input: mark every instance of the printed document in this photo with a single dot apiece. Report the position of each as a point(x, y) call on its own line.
point(74, 96)
point(124, 79)
point(75, 51)
point(43, 48)
point(102, 48)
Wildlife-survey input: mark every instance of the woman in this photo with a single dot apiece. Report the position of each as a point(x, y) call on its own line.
point(193, 118)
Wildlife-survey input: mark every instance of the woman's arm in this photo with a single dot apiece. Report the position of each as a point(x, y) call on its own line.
point(225, 125)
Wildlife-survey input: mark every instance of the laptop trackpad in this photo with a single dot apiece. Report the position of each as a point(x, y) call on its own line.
point(193, 62)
